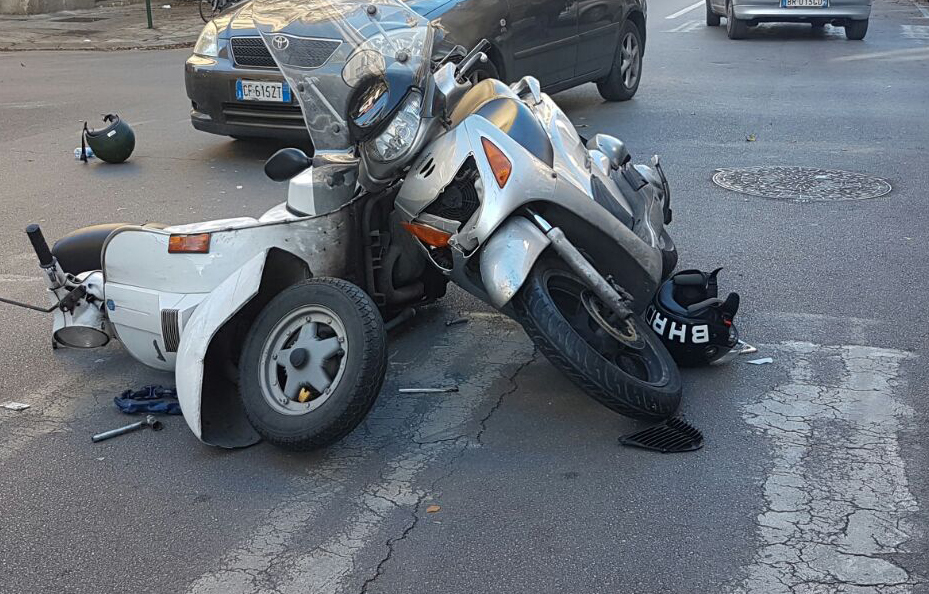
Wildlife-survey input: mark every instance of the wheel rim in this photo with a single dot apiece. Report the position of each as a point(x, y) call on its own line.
point(303, 360)
point(729, 16)
point(621, 344)
point(630, 60)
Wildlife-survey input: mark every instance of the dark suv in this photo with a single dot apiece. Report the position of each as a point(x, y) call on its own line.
point(236, 90)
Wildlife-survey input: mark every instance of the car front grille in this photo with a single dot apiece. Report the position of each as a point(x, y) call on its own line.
point(302, 52)
point(264, 116)
point(251, 51)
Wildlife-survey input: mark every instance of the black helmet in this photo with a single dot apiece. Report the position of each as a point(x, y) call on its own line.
point(692, 322)
point(112, 144)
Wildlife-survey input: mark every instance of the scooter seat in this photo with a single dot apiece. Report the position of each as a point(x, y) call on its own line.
point(82, 249)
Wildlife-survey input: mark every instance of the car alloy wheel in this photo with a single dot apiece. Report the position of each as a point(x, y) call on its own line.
point(631, 60)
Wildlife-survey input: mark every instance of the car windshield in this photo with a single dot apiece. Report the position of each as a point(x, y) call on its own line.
point(325, 48)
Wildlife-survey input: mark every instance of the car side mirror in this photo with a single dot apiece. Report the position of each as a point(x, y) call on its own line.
point(287, 163)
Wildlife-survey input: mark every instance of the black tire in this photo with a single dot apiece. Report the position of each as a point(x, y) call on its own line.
point(361, 377)
point(712, 19)
point(856, 30)
point(619, 85)
point(735, 28)
point(540, 314)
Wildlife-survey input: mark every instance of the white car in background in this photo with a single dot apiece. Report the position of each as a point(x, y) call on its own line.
point(742, 14)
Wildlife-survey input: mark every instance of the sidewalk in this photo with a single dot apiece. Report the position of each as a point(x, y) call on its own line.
point(103, 28)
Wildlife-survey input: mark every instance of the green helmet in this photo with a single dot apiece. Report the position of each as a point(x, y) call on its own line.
point(112, 144)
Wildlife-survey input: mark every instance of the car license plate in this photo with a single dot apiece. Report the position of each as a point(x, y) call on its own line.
point(258, 90)
point(804, 3)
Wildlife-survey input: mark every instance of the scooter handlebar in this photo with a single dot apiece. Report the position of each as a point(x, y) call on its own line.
point(39, 245)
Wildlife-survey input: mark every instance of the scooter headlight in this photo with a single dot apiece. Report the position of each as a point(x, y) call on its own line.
point(397, 138)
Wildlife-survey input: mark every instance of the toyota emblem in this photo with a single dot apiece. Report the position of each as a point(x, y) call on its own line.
point(280, 42)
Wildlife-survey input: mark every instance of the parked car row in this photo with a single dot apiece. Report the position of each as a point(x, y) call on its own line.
point(236, 90)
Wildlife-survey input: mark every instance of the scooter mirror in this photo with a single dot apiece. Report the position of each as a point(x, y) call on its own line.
point(286, 163)
point(612, 147)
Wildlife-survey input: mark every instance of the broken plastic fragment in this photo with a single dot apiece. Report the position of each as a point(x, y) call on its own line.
point(15, 405)
point(432, 509)
point(761, 361)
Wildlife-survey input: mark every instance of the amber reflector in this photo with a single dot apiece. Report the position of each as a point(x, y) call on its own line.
point(428, 235)
point(189, 244)
point(500, 165)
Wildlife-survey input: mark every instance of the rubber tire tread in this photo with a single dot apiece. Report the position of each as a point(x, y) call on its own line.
point(856, 30)
point(571, 354)
point(611, 87)
point(368, 377)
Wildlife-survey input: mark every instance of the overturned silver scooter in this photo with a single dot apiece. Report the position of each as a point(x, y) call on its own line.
point(274, 325)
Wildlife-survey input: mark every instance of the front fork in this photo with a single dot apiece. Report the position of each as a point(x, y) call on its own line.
point(601, 287)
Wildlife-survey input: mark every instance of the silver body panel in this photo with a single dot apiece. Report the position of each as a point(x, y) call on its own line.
point(507, 248)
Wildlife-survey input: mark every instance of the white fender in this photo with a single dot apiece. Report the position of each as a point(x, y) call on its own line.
point(220, 305)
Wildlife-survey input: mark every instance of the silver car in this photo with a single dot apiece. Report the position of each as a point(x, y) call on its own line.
point(742, 14)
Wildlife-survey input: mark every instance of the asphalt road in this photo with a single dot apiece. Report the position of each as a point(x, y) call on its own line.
point(814, 474)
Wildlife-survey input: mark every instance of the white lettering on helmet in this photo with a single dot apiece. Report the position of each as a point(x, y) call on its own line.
point(659, 323)
point(701, 334)
point(681, 333)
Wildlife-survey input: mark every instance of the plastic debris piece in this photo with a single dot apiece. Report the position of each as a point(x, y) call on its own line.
point(456, 321)
point(761, 361)
point(673, 435)
point(747, 349)
point(15, 405)
point(751, 138)
point(432, 509)
point(429, 390)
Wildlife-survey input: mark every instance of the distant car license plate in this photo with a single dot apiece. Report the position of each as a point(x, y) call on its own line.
point(256, 90)
point(804, 3)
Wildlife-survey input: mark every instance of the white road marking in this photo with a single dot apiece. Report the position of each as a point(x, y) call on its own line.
point(892, 55)
point(915, 31)
point(837, 497)
point(923, 9)
point(685, 27)
point(682, 11)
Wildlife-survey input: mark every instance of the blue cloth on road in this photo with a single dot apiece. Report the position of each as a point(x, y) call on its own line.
point(150, 399)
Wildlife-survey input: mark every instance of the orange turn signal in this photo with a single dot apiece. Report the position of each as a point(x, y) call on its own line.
point(428, 235)
point(189, 244)
point(499, 164)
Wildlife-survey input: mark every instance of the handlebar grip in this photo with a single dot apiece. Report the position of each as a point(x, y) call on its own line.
point(39, 244)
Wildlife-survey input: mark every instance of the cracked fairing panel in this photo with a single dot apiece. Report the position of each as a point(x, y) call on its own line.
point(838, 506)
point(222, 303)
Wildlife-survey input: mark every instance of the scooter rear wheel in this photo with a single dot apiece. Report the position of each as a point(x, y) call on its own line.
point(623, 366)
point(312, 364)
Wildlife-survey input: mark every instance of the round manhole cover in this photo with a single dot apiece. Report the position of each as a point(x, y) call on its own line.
point(801, 184)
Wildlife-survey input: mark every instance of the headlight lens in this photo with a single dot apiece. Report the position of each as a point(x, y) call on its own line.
point(398, 137)
point(206, 43)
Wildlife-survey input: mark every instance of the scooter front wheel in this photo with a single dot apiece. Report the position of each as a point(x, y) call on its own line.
point(623, 365)
point(312, 364)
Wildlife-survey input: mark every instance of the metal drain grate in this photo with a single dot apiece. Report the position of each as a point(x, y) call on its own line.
point(801, 184)
point(674, 435)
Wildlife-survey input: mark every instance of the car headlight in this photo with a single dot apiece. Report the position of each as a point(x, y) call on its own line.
point(398, 136)
point(207, 42)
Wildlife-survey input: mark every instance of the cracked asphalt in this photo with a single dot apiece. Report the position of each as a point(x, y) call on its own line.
point(813, 478)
